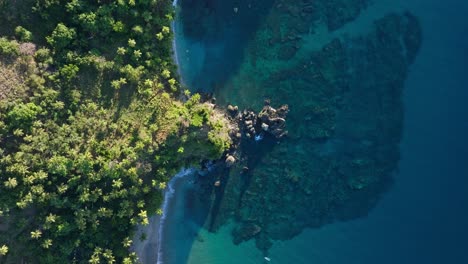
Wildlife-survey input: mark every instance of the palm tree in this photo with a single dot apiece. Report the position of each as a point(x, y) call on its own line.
point(47, 243)
point(36, 234)
point(11, 183)
point(3, 250)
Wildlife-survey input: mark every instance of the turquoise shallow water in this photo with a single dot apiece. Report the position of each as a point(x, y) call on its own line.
point(422, 218)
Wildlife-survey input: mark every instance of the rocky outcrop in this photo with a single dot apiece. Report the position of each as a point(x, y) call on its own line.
point(273, 120)
point(269, 121)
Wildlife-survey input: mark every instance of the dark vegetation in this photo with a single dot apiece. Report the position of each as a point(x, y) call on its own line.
point(90, 131)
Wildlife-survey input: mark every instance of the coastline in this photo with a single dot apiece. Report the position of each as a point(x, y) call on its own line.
point(146, 249)
point(150, 250)
point(142, 120)
point(175, 56)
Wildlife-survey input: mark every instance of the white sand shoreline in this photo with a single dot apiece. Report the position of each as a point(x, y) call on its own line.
point(148, 250)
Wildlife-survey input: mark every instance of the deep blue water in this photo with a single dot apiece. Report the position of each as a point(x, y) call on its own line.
point(423, 217)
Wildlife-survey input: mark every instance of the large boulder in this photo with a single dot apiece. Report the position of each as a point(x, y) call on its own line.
point(230, 160)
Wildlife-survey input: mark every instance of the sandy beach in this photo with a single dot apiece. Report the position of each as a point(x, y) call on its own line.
point(149, 250)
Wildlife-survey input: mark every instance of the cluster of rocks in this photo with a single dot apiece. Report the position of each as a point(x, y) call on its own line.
point(268, 121)
point(254, 126)
point(273, 120)
point(249, 122)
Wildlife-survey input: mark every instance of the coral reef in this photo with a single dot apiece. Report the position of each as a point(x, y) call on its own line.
point(225, 27)
point(337, 159)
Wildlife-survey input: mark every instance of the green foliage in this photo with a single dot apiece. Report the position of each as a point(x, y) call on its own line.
point(69, 71)
point(137, 29)
point(116, 84)
point(198, 119)
point(89, 149)
point(22, 115)
point(121, 51)
point(43, 55)
point(23, 34)
point(220, 144)
point(131, 73)
point(88, 21)
point(131, 43)
point(160, 36)
point(166, 73)
point(61, 37)
point(3, 250)
point(118, 27)
point(8, 48)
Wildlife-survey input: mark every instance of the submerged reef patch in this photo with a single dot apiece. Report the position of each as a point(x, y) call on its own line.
point(345, 124)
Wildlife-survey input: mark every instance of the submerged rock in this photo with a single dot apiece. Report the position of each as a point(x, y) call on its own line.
point(230, 160)
point(287, 52)
point(269, 120)
point(274, 120)
point(245, 232)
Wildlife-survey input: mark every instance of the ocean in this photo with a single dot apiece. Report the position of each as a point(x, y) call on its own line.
point(420, 217)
